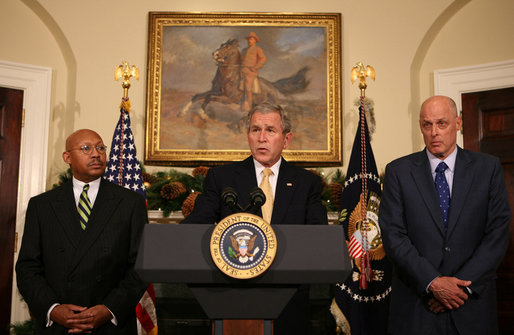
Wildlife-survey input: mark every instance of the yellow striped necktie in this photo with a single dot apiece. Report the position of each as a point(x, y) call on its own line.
point(84, 207)
point(267, 208)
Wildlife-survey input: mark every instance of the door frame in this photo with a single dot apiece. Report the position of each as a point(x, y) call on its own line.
point(484, 77)
point(36, 82)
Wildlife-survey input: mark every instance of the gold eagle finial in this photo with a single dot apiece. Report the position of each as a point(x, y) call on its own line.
point(125, 71)
point(361, 72)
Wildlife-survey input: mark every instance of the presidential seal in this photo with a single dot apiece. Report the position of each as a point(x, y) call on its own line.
point(243, 245)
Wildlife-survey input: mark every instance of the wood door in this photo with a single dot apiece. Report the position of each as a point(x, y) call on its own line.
point(488, 125)
point(11, 105)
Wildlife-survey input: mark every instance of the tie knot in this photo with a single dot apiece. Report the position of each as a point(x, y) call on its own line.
point(86, 187)
point(267, 172)
point(441, 167)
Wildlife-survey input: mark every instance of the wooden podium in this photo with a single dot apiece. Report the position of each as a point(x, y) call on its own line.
point(306, 254)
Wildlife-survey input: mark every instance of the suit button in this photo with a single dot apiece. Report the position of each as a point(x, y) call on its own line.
point(447, 249)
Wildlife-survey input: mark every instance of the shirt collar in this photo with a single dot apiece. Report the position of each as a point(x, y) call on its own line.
point(94, 186)
point(95, 183)
point(259, 167)
point(450, 160)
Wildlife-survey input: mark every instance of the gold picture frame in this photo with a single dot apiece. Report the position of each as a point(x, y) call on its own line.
point(196, 101)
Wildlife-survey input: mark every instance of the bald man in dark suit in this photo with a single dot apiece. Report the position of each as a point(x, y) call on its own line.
point(78, 276)
point(445, 219)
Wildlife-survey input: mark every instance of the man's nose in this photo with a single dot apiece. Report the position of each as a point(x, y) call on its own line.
point(95, 152)
point(435, 130)
point(262, 136)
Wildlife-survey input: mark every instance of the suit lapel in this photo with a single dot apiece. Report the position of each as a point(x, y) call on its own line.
point(462, 180)
point(65, 210)
point(104, 207)
point(425, 183)
point(245, 181)
point(286, 186)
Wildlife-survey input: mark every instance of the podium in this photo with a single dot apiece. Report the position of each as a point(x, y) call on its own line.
point(180, 253)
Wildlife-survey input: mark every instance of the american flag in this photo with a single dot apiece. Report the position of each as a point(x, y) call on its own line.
point(363, 309)
point(124, 169)
point(355, 247)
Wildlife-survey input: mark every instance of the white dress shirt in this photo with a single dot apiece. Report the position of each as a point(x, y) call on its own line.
point(273, 178)
point(450, 162)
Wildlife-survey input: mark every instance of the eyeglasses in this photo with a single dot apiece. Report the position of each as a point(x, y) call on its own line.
point(87, 150)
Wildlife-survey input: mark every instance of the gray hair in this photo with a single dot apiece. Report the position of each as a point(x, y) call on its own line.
point(268, 107)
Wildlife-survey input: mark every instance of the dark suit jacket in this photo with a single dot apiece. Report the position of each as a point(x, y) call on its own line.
point(297, 197)
point(297, 201)
point(420, 248)
point(61, 263)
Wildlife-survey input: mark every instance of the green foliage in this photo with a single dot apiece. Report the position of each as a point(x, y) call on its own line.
point(22, 328)
point(342, 215)
point(63, 177)
point(326, 199)
point(162, 178)
point(337, 177)
point(231, 252)
point(156, 181)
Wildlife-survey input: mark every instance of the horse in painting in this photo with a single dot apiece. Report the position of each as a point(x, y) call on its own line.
point(223, 101)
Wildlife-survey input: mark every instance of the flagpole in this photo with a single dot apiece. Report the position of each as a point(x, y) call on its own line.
point(125, 71)
point(124, 169)
point(361, 72)
point(360, 304)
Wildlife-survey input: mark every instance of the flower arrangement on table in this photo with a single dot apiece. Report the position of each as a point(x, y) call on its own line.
point(172, 190)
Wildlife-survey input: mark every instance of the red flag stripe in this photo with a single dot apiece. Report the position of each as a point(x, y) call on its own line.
point(144, 318)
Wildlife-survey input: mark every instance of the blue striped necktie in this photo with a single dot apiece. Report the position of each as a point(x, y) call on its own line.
point(443, 190)
point(84, 207)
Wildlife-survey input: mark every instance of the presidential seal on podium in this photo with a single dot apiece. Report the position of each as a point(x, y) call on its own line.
point(243, 245)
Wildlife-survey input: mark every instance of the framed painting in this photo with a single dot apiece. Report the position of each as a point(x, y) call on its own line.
point(202, 79)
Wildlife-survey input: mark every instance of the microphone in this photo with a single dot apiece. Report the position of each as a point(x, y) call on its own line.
point(229, 197)
point(257, 198)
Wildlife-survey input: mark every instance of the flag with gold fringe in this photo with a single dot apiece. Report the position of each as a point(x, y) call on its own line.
point(361, 303)
point(124, 169)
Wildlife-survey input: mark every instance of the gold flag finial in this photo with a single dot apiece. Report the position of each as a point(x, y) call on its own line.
point(124, 70)
point(361, 72)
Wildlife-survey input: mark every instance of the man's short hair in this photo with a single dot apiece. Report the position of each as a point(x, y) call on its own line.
point(268, 107)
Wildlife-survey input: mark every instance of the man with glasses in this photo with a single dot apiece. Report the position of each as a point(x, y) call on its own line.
point(444, 218)
point(75, 269)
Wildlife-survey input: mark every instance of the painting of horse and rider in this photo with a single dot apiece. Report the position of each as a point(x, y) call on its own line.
point(210, 76)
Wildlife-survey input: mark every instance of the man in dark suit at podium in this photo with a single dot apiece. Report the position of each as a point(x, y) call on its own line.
point(293, 194)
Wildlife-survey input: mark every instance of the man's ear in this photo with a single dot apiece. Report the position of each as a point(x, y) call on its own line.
point(459, 122)
point(66, 157)
point(287, 139)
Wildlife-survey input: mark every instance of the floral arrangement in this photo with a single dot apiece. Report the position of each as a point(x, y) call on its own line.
point(175, 191)
point(172, 190)
point(332, 188)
